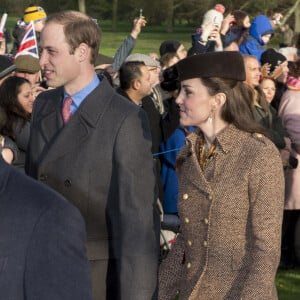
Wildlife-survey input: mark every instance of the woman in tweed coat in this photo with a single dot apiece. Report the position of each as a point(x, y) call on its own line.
point(231, 190)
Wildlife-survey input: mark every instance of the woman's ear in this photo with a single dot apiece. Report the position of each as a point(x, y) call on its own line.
point(220, 100)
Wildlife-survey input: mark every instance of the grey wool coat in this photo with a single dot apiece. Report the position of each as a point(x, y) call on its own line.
point(229, 245)
point(101, 162)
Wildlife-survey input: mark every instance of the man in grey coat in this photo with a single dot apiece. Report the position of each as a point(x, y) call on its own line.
point(100, 159)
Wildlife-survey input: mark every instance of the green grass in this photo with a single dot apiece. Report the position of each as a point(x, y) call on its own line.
point(147, 41)
point(288, 284)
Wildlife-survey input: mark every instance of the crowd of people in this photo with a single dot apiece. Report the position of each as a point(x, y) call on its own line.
point(98, 152)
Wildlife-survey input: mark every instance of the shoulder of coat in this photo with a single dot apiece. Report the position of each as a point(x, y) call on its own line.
point(259, 137)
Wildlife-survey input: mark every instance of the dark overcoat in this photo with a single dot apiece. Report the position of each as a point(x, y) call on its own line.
point(42, 242)
point(101, 162)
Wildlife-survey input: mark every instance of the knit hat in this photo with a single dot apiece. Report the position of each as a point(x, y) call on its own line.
point(213, 16)
point(6, 66)
point(170, 46)
point(34, 13)
point(272, 57)
point(146, 59)
point(27, 63)
point(220, 8)
point(223, 64)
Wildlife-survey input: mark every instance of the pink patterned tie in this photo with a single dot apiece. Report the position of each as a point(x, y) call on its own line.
point(66, 109)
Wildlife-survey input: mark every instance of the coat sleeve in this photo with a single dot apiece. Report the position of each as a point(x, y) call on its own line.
point(56, 262)
point(122, 53)
point(137, 229)
point(266, 192)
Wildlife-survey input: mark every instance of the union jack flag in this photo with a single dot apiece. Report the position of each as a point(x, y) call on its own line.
point(29, 42)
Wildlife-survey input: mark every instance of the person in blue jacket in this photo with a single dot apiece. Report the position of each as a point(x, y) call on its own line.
point(260, 33)
point(169, 150)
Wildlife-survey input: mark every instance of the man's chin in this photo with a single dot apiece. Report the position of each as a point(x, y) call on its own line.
point(52, 83)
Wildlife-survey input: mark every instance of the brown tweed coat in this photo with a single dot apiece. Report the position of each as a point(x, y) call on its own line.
point(229, 245)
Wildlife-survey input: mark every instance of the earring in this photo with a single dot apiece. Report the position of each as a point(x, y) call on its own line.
point(210, 118)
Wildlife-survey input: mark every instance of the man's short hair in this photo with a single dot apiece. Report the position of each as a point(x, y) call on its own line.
point(129, 71)
point(78, 28)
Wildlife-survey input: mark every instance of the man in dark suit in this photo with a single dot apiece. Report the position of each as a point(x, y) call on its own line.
point(100, 159)
point(42, 242)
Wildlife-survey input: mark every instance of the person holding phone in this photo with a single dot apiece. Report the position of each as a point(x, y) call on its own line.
point(207, 38)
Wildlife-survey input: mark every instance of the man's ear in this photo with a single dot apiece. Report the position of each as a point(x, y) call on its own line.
point(83, 51)
point(136, 84)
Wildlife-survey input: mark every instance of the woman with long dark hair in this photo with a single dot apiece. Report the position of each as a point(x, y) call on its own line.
point(16, 101)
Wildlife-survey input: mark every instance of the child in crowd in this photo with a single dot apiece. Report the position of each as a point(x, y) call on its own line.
point(234, 29)
point(260, 33)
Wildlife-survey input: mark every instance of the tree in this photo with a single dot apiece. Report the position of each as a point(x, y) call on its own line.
point(297, 18)
point(81, 6)
point(114, 15)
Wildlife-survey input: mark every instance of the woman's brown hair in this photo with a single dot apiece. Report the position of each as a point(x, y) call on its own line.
point(238, 108)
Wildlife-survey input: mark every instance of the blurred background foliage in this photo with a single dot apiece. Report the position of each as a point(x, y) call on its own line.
point(165, 13)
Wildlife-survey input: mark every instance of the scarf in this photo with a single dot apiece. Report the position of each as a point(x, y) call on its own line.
point(293, 83)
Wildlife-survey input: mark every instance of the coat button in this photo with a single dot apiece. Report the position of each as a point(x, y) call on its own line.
point(186, 220)
point(210, 197)
point(188, 265)
point(185, 196)
point(189, 243)
point(43, 177)
point(67, 183)
point(206, 221)
point(205, 243)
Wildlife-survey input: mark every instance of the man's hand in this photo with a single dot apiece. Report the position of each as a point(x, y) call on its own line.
point(6, 153)
point(138, 23)
point(227, 21)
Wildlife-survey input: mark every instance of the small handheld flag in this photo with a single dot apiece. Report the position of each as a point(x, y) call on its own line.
point(29, 42)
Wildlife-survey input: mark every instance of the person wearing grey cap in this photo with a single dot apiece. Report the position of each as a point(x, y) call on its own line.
point(230, 203)
point(163, 121)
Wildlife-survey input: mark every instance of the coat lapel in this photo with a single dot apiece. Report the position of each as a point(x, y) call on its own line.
point(64, 139)
point(193, 170)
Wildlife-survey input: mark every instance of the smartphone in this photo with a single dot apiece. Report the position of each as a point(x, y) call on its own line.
point(215, 22)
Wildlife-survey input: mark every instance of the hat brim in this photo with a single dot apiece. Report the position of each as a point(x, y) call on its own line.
point(7, 71)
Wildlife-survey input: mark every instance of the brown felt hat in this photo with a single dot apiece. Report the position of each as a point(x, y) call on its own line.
point(27, 63)
point(223, 64)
